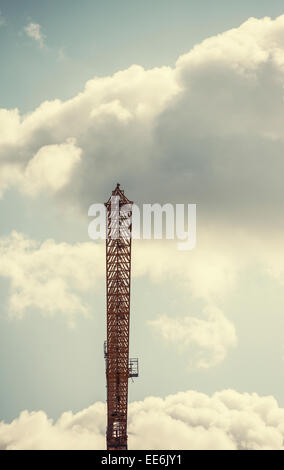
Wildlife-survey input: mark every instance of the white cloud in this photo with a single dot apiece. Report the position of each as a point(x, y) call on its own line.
point(191, 138)
point(33, 30)
point(51, 168)
point(114, 108)
point(209, 272)
point(227, 420)
point(212, 335)
point(49, 276)
point(99, 120)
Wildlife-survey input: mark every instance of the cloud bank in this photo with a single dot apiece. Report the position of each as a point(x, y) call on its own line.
point(227, 420)
point(197, 132)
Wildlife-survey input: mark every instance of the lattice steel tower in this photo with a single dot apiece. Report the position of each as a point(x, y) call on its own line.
point(116, 349)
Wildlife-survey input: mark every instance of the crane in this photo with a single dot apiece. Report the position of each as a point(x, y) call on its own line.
point(119, 368)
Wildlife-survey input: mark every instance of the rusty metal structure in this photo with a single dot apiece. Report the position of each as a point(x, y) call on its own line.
point(119, 368)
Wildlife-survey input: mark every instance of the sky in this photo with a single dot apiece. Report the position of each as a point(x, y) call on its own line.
point(95, 38)
point(180, 102)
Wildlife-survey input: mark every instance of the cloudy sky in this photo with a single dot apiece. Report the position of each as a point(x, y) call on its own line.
point(180, 102)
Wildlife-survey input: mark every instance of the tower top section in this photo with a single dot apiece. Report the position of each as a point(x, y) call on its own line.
point(118, 192)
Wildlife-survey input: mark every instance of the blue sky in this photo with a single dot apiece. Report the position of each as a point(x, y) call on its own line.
point(205, 128)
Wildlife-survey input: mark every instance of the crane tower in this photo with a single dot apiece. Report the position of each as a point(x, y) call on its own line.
point(119, 368)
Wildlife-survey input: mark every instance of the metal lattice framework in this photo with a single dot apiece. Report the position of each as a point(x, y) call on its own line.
point(118, 270)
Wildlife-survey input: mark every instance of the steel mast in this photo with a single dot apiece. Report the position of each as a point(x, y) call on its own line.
point(116, 349)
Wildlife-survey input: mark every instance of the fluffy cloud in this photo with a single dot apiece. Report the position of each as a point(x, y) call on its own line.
point(197, 132)
point(51, 167)
point(213, 335)
point(111, 116)
point(49, 276)
point(33, 30)
point(209, 272)
point(227, 420)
